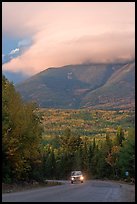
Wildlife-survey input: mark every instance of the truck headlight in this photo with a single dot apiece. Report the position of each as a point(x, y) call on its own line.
point(81, 178)
point(72, 178)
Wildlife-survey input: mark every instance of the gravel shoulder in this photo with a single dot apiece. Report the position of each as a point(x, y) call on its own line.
point(16, 187)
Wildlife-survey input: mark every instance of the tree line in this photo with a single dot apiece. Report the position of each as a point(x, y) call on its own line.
point(97, 159)
point(25, 156)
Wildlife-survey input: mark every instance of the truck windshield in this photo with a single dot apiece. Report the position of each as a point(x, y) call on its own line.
point(76, 173)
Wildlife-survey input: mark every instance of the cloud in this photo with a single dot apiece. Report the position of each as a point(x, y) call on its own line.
point(69, 33)
point(14, 51)
point(93, 49)
point(24, 43)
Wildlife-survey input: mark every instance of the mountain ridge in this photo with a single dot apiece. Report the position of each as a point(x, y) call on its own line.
point(82, 86)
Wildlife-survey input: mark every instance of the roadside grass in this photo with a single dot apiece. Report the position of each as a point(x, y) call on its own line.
point(15, 187)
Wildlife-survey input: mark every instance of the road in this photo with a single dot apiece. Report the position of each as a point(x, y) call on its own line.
point(89, 191)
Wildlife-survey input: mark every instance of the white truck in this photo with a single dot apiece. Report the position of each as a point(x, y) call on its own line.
point(77, 176)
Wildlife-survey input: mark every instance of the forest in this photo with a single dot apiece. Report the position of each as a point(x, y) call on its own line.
point(39, 144)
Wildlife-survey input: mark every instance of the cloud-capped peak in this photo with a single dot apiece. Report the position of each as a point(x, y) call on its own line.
point(68, 33)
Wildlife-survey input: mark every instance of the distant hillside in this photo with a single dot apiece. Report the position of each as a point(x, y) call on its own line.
point(104, 86)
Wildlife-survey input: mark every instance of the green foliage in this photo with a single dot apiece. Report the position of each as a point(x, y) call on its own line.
point(100, 166)
point(100, 159)
point(70, 142)
point(127, 155)
point(120, 136)
point(50, 165)
point(77, 160)
point(28, 152)
point(20, 130)
point(55, 122)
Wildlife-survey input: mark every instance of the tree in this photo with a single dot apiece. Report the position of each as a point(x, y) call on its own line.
point(119, 136)
point(112, 158)
point(108, 142)
point(21, 132)
point(50, 164)
point(84, 156)
point(77, 164)
point(127, 155)
point(90, 158)
point(69, 141)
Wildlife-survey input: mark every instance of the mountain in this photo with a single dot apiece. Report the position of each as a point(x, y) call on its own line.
point(103, 86)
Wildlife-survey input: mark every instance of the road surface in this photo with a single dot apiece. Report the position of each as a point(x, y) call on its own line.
point(89, 191)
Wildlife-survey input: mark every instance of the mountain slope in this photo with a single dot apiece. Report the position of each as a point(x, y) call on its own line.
point(117, 92)
point(84, 85)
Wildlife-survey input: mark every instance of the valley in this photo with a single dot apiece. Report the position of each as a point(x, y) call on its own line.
point(84, 122)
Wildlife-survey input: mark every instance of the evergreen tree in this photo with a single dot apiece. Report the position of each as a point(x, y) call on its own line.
point(119, 136)
point(126, 160)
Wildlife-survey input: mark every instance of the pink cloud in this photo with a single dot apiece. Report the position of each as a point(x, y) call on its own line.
point(69, 33)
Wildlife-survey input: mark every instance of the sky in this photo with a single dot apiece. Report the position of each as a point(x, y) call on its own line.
point(39, 35)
